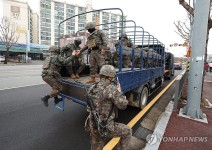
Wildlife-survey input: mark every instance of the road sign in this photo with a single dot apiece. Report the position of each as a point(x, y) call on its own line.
point(176, 44)
point(189, 52)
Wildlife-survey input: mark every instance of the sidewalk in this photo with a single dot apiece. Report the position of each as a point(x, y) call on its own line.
point(33, 62)
point(187, 133)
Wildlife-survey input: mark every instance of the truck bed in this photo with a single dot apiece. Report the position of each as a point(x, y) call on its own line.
point(84, 78)
point(75, 89)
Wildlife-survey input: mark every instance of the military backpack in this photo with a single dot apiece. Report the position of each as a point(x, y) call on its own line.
point(47, 62)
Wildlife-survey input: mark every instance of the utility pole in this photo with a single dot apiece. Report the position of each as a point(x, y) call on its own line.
point(27, 44)
point(199, 34)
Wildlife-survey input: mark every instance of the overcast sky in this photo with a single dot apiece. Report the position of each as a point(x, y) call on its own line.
point(155, 16)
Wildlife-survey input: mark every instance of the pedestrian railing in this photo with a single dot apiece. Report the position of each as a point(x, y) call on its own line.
point(180, 81)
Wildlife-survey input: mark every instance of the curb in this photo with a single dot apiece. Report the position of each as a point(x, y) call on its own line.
point(154, 140)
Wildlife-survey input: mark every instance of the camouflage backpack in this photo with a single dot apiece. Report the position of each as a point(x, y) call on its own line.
point(91, 43)
point(95, 39)
point(47, 62)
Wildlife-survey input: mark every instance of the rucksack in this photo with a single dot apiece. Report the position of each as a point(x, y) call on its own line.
point(47, 62)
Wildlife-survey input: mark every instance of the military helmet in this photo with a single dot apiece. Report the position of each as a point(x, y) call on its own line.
point(77, 41)
point(108, 70)
point(53, 49)
point(90, 25)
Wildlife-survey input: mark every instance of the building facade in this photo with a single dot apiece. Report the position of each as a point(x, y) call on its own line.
point(21, 13)
point(27, 29)
point(53, 12)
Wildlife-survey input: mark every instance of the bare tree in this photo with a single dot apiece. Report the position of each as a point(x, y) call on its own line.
point(190, 10)
point(8, 34)
point(183, 29)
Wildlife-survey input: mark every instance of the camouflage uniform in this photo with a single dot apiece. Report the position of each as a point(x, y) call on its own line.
point(50, 73)
point(107, 100)
point(81, 65)
point(67, 51)
point(95, 42)
point(126, 61)
point(108, 56)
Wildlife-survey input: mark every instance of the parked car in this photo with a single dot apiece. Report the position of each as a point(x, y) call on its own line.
point(177, 66)
point(2, 58)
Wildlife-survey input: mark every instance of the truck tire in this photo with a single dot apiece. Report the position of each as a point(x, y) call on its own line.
point(144, 97)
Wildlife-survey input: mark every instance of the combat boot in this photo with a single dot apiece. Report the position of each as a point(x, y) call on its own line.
point(77, 75)
point(45, 100)
point(57, 100)
point(91, 80)
point(73, 76)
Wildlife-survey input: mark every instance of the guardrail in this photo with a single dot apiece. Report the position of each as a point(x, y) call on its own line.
point(180, 81)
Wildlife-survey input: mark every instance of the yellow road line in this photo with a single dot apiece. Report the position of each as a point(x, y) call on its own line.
point(112, 143)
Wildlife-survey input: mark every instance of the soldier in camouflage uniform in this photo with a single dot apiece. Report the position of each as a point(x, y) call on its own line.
point(107, 55)
point(107, 98)
point(51, 73)
point(126, 61)
point(95, 43)
point(67, 51)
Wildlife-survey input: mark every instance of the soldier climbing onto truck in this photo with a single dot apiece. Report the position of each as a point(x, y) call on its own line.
point(95, 43)
point(51, 73)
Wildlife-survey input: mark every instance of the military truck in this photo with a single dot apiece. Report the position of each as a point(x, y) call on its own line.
point(139, 81)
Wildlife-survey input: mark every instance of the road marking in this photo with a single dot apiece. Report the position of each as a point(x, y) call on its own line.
point(6, 78)
point(40, 70)
point(15, 87)
point(112, 143)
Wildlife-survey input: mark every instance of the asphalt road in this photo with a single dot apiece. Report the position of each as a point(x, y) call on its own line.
point(20, 76)
point(25, 124)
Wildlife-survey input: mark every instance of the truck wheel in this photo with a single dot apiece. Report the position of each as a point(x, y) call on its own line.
point(144, 97)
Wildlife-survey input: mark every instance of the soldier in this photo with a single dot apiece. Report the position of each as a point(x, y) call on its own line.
point(51, 73)
point(107, 55)
point(95, 43)
point(126, 58)
point(107, 98)
point(67, 50)
point(81, 66)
